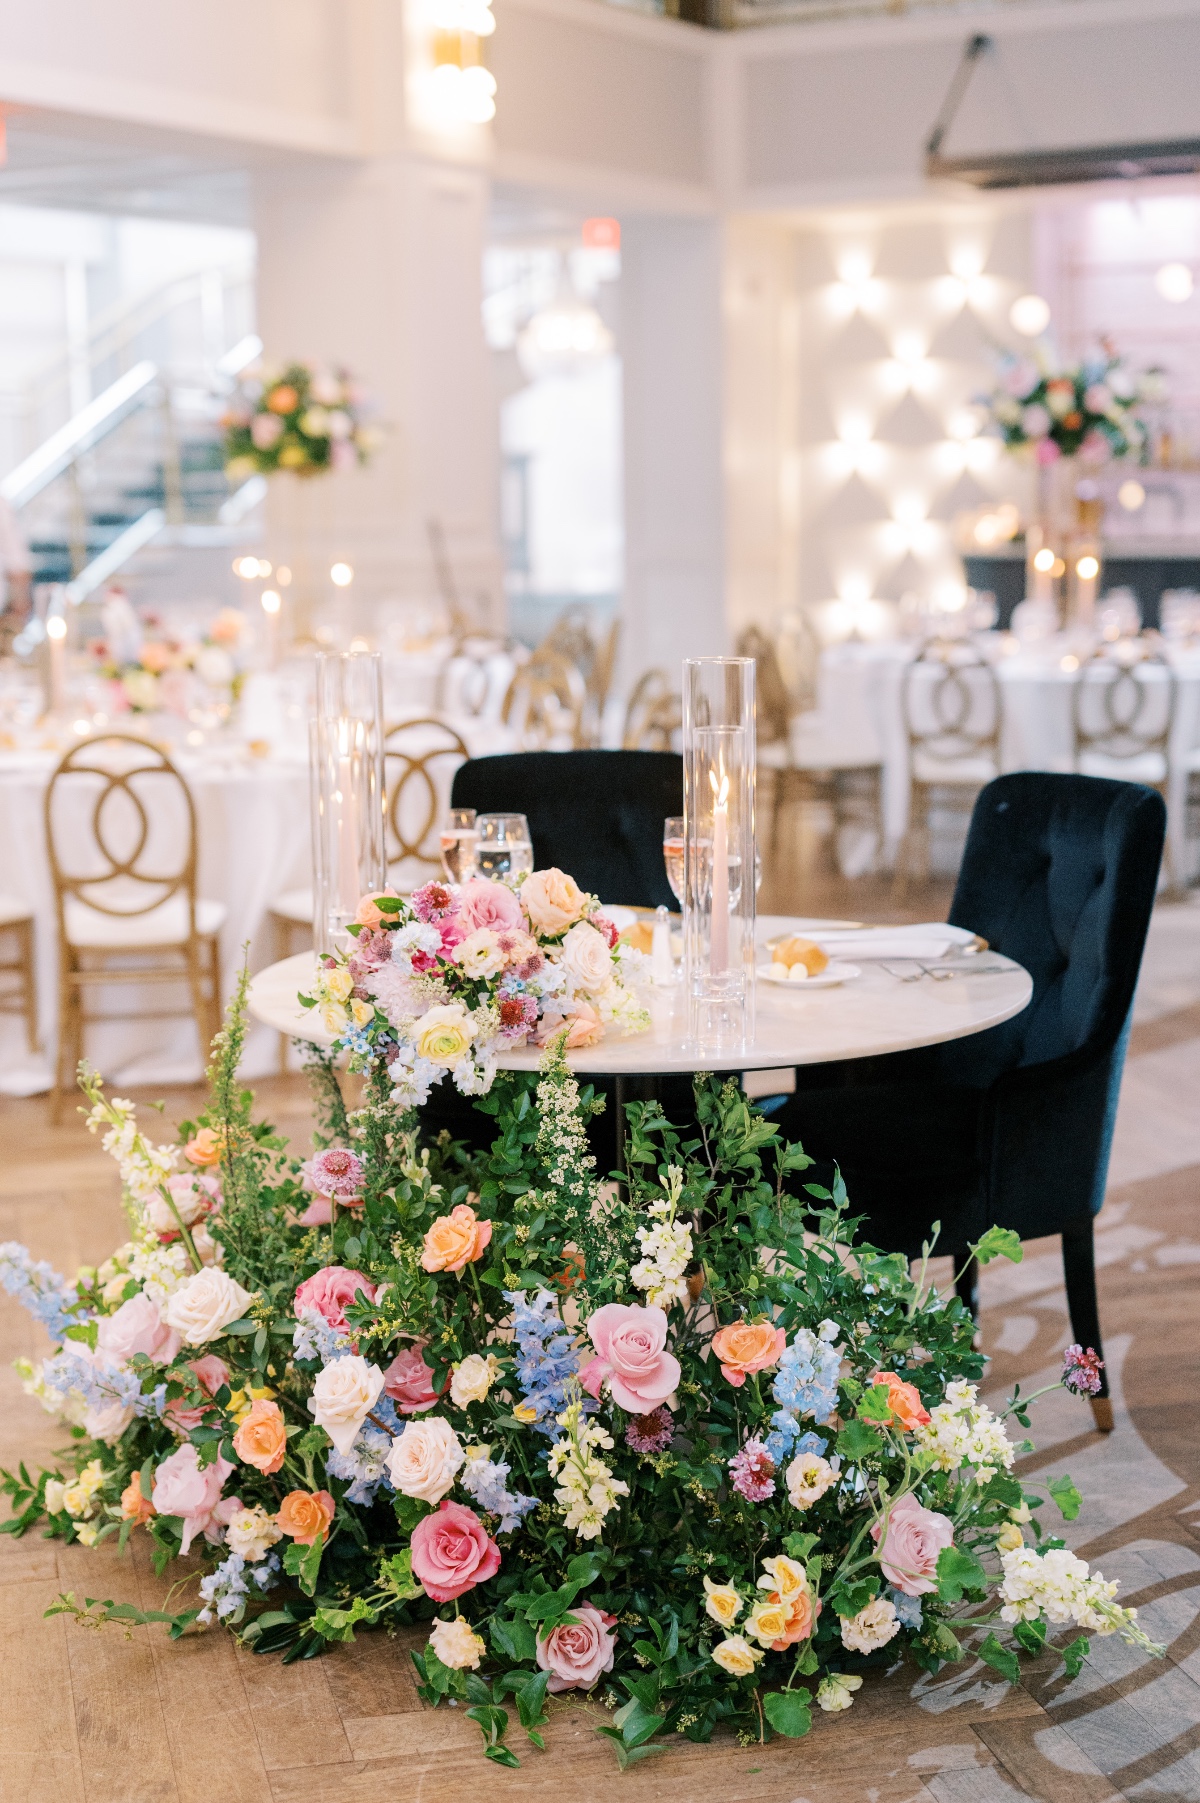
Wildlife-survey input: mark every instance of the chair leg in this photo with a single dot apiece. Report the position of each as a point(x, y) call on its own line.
point(70, 1034)
point(29, 985)
point(1079, 1272)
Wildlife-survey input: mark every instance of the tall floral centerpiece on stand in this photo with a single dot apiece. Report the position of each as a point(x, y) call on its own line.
point(684, 1445)
point(1072, 421)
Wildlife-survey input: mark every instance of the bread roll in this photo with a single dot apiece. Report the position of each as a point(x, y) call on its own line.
point(801, 951)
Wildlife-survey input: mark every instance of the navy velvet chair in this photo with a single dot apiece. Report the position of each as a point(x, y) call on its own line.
point(1012, 1127)
point(596, 814)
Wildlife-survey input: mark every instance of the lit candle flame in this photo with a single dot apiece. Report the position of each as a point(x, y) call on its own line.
point(721, 791)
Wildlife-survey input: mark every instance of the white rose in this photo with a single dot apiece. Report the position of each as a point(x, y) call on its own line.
point(473, 1378)
point(343, 1396)
point(214, 665)
point(202, 1308)
point(479, 954)
point(586, 955)
point(457, 1645)
point(55, 1492)
point(251, 1532)
point(425, 1459)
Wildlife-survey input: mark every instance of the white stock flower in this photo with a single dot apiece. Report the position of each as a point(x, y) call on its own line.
point(473, 1378)
point(587, 1490)
point(252, 1533)
point(425, 1459)
point(964, 1431)
point(203, 1307)
point(343, 1396)
point(55, 1494)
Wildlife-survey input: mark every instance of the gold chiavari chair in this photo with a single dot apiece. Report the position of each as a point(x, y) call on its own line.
point(951, 704)
point(121, 836)
point(1122, 710)
point(571, 638)
point(18, 972)
point(654, 714)
point(545, 704)
point(419, 759)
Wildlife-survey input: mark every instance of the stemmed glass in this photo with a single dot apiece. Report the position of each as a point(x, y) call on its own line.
point(673, 853)
point(458, 841)
point(503, 846)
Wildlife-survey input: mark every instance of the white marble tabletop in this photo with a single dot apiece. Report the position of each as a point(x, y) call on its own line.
point(875, 1012)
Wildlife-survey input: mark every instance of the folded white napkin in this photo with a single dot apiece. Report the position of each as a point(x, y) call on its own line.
point(930, 940)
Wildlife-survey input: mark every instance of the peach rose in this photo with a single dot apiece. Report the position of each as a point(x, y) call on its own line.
point(305, 1515)
point(455, 1240)
point(367, 914)
point(586, 1027)
point(800, 1623)
point(261, 1440)
point(552, 900)
point(134, 1506)
point(746, 1346)
point(205, 1149)
point(908, 1411)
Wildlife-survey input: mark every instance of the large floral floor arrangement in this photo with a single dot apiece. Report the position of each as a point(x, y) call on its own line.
point(681, 1443)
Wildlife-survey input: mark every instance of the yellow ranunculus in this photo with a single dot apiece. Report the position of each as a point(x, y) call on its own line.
point(334, 1018)
point(525, 1411)
point(768, 1619)
point(722, 1602)
point(736, 1656)
point(363, 1013)
point(444, 1034)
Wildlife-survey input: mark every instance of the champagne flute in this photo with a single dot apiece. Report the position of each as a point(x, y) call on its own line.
point(503, 846)
point(458, 844)
point(673, 854)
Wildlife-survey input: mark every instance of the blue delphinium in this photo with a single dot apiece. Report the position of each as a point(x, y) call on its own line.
point(548, 1359)
point(365, 1464)
point(225, 1591)
point(806, 1383)
point(313, 1338)
point(101, 1383)
point(487, 1481)
point(908, 1608)
point(38, 1287)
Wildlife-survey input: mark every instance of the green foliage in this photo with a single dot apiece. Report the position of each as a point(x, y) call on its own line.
point(1066, 1496)
point(789, 1712)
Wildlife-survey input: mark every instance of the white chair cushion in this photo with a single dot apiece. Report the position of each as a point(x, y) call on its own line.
point(295, 905)
point(12, 911)
point(1191, 759)
point(164, 925)
point(928, 769)
point(1144, 767)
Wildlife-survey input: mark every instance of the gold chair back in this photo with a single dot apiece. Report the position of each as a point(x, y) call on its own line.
point(545, 704)
point(798, 650)
point(419, 761)
point(1123, 703)
point(774, 706)
point(120, 830)
point(654, 715)
point(951, 705)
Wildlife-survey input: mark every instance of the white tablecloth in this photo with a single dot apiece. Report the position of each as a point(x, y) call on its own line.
point(252, 824)
point(860, 713)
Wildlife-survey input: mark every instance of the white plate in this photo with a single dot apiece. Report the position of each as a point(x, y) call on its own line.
point(830, 977)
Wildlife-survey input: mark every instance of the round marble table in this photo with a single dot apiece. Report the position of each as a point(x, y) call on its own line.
point(875, 1012)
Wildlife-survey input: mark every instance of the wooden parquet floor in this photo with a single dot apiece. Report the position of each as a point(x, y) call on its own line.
point(90, 1717)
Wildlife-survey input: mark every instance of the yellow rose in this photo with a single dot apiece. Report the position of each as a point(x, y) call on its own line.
point(736, 1656)
point(722, 1602)
point(444, 1034)
point(1009, 1538)
point(336, 985)
point(786, 1576)
point(552, 900)
point(768, 1619)
point(362, 1013)
point(334, 1018)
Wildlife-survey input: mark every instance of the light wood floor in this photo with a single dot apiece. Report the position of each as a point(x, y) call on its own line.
point(134, 1719)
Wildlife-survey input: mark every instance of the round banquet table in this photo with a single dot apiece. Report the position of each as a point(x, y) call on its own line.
point(873, 1013)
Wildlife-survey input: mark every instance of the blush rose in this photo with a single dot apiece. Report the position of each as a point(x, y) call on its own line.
point(630, 1344)
point(576, 1653)
point(908, 1552)
point(452, 1552)
point(331, 1291)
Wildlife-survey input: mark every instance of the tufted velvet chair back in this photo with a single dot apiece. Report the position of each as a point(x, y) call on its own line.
point(1060, 872)
point(596, 814)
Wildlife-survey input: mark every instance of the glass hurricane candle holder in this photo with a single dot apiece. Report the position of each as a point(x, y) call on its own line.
point(719, 760)
point(346, 786)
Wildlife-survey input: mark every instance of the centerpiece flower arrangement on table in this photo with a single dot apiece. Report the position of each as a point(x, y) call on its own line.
point(1089, 410)
point(447, 979)
point(301, 418)
point(683, 1445)
point(169, 674)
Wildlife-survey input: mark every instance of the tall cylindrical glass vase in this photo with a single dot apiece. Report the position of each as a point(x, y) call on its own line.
point(346, 785)
point(719, 759)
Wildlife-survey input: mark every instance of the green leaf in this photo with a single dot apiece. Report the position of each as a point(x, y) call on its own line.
point(1066, 1496)
point(876, 1406)
point(789, 1712)
point(999, 1242)
point(1000, 1659)
point(513, 1637)
point(1031, 1635)
point(958, 1571)
point(636, 1722)
point(857, 1442)
point(798, 1546)
point(241, 1329)
point(626, 1755)
point(395, 1574)
point(531, 1700)
point(304, 1562)
point(1074, 1655)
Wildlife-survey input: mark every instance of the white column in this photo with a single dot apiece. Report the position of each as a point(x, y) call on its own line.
point(379, 267)
point(674, 605)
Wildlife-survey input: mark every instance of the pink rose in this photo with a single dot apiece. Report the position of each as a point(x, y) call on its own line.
point(182, 1488)
point(454, 930)
point(452, 1552)
point(331, 1291)
point(409, 1381)
point(210, 1373)
point(630, 1342)
point(485, 904)
point(576, 1655)
point(909, 1552)
point(137, 1326)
